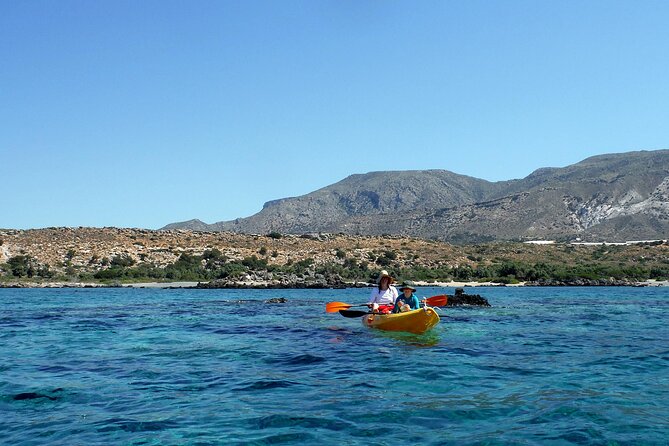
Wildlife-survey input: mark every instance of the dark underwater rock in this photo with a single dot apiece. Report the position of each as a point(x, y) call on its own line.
point(32, 396)
point(276, 300)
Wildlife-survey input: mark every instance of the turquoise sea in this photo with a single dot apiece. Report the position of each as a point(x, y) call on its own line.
point(216, 367)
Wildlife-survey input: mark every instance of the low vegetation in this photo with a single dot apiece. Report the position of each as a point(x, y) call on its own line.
point(499, 262)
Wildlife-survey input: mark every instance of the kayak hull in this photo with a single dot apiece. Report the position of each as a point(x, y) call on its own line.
point(416, 321)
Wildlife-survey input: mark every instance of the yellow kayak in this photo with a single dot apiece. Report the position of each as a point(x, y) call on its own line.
point(416, 321)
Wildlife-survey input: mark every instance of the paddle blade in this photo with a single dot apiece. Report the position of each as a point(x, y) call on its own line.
point(352, 313)
point(437, 301)
point(333, 307)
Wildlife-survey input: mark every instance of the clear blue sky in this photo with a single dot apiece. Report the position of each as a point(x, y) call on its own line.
point(143, 113)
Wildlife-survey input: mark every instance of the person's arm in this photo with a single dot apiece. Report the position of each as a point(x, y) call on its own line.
point(372, 300)
point(415, 303)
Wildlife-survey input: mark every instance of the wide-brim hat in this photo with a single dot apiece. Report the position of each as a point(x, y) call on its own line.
point(383, 274)
point(408, 285)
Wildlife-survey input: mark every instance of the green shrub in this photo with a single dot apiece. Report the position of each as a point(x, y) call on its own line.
point(231, 270)
point(187, 267)
point(21, 266)
point(464, 272)
point(122, 260)
point(212, 254)
point(390, 255)
point(27, 266)
point(659, 273)
point(254, 263)
point(114, 272)
point(301, 267)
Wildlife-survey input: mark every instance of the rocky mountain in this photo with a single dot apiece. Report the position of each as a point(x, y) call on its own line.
point(372, 194)
point(613, 197)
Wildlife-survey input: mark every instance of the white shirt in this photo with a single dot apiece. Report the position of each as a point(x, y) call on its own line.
point(386, 297)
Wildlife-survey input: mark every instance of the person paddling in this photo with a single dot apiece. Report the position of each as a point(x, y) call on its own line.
point(407, 301)
point(383, 297)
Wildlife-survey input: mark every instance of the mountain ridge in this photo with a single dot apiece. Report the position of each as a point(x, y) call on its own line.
point(610, 196)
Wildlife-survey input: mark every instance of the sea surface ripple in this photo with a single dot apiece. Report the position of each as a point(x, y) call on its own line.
point(207, 367)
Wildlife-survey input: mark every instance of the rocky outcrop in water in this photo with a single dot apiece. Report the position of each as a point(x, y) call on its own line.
point(460, 298)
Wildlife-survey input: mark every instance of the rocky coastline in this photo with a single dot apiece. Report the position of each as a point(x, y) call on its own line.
point(320, 282)
point(335, 282)
point(114, 257)
point(586, 282)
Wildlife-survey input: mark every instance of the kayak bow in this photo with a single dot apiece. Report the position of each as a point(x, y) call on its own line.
point(416, 321)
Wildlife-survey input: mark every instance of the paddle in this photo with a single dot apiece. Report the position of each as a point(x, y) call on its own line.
point(434, 301)
point(353, 313)
point(334, 307)
point(437, 301)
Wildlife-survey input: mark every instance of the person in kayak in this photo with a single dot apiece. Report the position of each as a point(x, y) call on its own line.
point(407, 301)
point(383, 296)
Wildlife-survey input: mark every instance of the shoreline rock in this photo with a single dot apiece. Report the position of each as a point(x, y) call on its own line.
point(57, 285)
point(586, 282)
point(265, 279)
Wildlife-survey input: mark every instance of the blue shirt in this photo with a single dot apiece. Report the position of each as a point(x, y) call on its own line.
point(412, 301)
